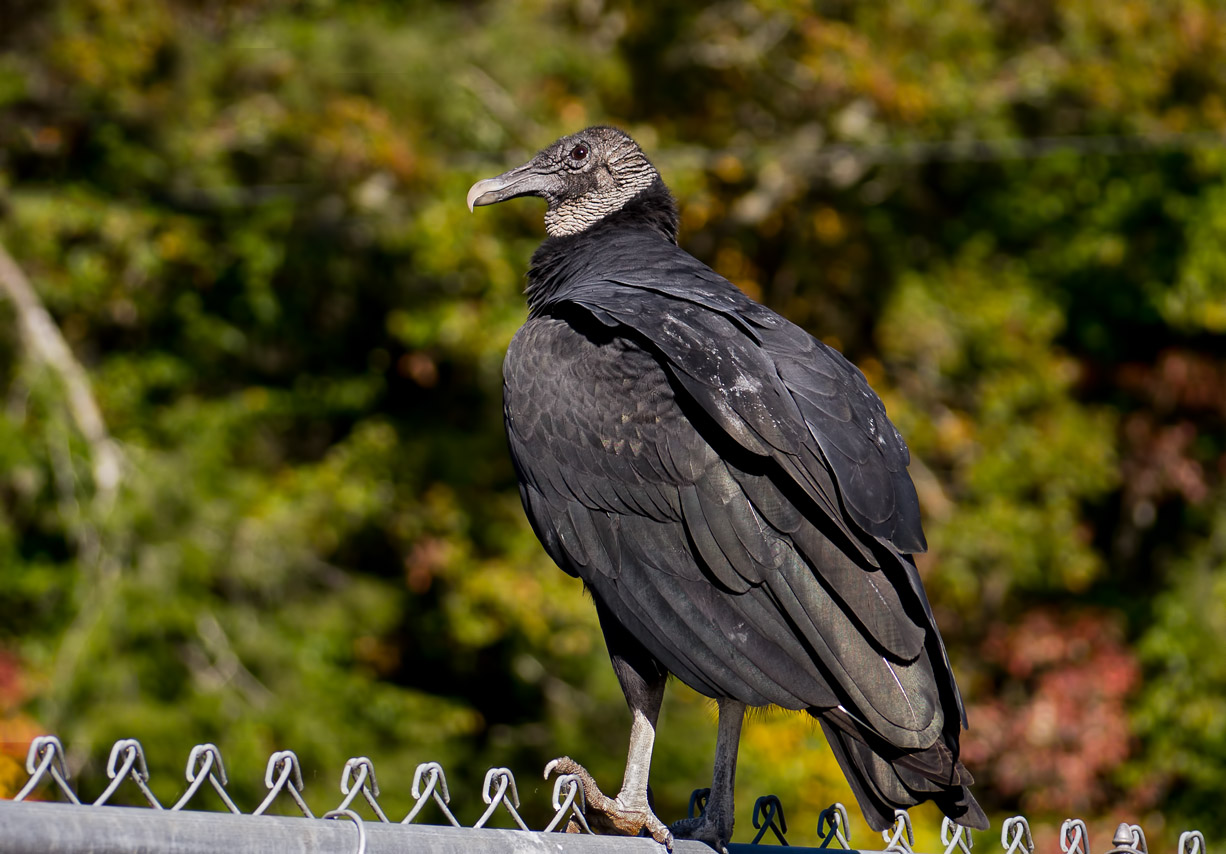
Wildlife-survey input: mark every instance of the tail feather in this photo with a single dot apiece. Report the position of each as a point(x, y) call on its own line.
point(934, 769)
point(885, 778)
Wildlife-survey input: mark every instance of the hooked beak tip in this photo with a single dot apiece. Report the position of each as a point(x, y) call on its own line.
point(485, 192)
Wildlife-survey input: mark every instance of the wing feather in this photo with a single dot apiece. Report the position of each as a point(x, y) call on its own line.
point(771, 386)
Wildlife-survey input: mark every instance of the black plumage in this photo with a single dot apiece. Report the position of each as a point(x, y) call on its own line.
point(728, 488)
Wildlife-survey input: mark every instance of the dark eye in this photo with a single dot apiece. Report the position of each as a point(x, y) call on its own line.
point(579, 153)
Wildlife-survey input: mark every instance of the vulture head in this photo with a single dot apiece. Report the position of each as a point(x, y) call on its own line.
point(583, 178)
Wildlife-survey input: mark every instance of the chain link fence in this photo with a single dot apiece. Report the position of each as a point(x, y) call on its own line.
point(69, 828)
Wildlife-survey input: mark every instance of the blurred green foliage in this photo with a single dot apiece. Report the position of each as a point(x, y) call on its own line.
point(246, 220)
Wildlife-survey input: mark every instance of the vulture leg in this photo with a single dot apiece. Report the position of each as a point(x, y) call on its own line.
point(642, 680)
point(714, 826)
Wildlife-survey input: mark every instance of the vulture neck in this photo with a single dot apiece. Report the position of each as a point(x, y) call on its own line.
point(559, 259)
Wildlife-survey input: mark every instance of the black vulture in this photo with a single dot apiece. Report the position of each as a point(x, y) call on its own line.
point(731, 493)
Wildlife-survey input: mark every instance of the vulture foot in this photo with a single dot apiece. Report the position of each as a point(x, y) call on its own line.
point(711, 829)
point(628, 814)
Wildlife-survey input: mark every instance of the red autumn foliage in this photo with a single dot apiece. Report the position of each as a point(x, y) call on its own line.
point(11, 690)
point(1057, 725)
point(1162, 456)
point(16, 730)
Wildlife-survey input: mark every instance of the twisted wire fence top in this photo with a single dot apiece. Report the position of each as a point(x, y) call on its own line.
point(901, 836)
point(832, 826)
point(1015, 836)
point(768, 815)
point(499, 782)
point(200, 764)
point(1192, 842)
point(1074, 838)
point(955, 837)
point(47, 767)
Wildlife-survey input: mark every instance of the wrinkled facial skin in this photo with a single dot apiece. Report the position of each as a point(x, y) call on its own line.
point(582, 177)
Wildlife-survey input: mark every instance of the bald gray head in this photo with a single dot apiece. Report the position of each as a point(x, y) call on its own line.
point(583, 178)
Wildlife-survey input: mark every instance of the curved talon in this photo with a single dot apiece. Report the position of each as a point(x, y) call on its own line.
point(662, 834)
point(566, 765)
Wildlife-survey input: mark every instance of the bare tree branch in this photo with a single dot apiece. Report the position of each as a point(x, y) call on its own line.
point(44, 343)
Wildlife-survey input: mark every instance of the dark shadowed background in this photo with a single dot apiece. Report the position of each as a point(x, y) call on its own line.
point(263, 497)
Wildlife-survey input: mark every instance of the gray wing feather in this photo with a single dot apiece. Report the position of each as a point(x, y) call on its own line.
point(771, 386)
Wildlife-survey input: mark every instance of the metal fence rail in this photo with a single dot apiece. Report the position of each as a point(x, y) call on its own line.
point(74, 827)
point(41, 828)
